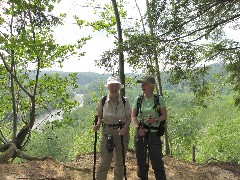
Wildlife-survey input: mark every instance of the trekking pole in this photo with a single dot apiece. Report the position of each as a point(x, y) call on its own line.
point(143, 139)
point(123, 154)
point(95, 148)
point(148, 145)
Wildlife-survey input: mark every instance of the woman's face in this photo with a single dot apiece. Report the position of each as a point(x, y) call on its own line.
point(114, 88)
point(147, 88)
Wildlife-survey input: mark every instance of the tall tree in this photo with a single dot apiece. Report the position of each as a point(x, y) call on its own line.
point(183, 37)
point(27, 48)
point(120, 43)
point(189, 35)
point(109, 20)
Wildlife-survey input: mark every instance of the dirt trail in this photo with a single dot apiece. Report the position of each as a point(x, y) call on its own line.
point(175, 170)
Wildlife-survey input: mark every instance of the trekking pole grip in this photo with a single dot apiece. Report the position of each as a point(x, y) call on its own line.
point(95, 120)
point(142, 123)
point(120, 124)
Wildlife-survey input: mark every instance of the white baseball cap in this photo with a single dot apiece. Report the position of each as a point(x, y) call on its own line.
point(114, 80)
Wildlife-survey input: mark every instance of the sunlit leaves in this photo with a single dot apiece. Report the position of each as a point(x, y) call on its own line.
point(212, 130)
point(80, 22)
point(234, 78)
point(54, 89)
point(222, 137)
point(27, 48)
point(189, 34)
point(140, 51)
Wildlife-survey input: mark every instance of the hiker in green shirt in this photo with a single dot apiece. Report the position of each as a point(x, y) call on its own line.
point(148, 116)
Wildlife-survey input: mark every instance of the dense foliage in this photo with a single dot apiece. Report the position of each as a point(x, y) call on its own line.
point(182, 37)
point(27, 47)
point(213, 130)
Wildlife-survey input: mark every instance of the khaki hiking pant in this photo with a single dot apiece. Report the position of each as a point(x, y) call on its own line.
point(107, 157)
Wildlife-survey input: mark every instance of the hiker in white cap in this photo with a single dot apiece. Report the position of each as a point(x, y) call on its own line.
point(113, 109)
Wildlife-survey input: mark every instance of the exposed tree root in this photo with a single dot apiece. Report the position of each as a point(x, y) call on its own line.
point(71, 167)
point(210, 159)
point(9, 150)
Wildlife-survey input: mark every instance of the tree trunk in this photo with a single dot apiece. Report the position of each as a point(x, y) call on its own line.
point(157, 71)
point(22, 134)
point(10, 150)
point(120, 49)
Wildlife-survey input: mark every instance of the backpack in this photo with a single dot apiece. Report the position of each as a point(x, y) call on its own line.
point(161, 128)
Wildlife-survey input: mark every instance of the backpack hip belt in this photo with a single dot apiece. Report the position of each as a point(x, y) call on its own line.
point(145, 126)
point(114, 126)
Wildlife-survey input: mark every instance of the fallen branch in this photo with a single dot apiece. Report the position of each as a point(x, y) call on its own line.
point(71, 167)
point(210, 159)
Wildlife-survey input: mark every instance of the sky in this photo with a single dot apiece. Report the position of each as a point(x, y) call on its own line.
point(99, 43)
point(70, 32)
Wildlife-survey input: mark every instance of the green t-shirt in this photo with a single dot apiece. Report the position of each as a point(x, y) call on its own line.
point(147, 109)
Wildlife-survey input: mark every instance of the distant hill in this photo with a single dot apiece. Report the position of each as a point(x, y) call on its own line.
point(91, 80)
point(84, 77)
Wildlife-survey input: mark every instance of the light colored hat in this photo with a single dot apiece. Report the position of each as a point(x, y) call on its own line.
point(114, 80)
point(147, 79)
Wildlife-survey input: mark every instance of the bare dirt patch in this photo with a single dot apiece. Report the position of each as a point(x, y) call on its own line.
point(82, 167)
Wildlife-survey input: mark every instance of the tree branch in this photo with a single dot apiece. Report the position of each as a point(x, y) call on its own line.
point(2, 138)
point(14, 77)
point(228, 49)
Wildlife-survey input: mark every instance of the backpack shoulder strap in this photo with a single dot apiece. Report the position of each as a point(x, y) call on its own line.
point(139, 104)
point(104, 100)
point(156, 103)
point(123, 100)
point(156, 99)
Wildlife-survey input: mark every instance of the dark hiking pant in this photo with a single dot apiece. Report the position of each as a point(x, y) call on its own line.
point(152, 144)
